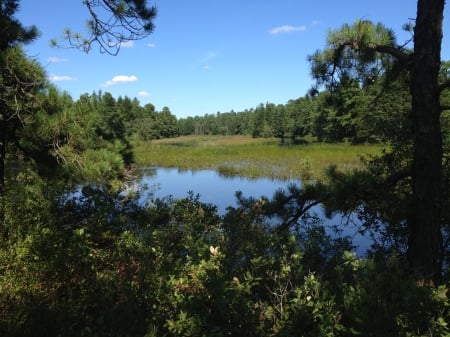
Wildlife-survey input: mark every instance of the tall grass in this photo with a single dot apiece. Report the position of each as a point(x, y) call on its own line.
point(250, 157)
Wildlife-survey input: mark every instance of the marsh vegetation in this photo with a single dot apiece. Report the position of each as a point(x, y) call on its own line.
point(253, 157)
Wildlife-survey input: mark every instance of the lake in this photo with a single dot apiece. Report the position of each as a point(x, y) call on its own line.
point(220, 190)
point(210, 185)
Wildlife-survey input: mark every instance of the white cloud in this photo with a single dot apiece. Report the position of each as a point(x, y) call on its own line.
point(55, 59)
point(119, 79)
point(287, 29)
point(58, 78)
point(151, 45)
point(127, 44)
point(316, 22)
point(144, 94)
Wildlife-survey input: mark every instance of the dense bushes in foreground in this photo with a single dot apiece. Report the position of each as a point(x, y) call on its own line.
point(104, 265)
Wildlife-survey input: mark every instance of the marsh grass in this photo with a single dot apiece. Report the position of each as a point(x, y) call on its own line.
point(251, 157)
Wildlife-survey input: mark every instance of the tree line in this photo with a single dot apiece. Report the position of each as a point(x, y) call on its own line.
point(348, 113)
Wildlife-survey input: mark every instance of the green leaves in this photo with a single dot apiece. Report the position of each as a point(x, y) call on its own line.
point(174, 267)
point(355, 51)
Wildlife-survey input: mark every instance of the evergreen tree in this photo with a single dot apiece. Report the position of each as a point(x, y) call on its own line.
point(12, 33)
point(369, 46)
point(112, 23)
point(20, 81)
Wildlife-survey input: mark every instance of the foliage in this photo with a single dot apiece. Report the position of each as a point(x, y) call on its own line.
point(111, 24)
point(67, 269)
point(362, 54)
point(79, 258)
point(12, 32)
point(345, 112)
point(357, 52)
point(98, 264)
point(69, 139)
point(20, 80)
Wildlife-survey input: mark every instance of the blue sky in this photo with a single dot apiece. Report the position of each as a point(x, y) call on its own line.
point(207, 56)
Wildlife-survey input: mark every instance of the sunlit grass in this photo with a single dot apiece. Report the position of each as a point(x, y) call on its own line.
point(251, 157)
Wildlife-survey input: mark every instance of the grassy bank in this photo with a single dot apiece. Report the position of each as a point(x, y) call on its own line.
point(250, 157)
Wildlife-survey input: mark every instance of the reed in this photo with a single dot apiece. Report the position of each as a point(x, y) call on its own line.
point(250, 157)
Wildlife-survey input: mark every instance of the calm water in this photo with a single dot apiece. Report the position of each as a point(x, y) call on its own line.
point(212, 187)
point(220, 191)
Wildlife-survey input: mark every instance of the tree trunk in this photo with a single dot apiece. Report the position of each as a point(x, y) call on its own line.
point(2, 152)
point(425, 241)
point(2, 167)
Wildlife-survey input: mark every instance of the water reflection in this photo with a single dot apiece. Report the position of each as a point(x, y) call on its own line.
point(220, 190)
point(210, 185)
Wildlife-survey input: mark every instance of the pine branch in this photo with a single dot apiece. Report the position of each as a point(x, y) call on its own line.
point(398, 54)
point(444, 86)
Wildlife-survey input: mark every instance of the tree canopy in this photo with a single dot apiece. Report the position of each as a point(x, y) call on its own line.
point(358, 52)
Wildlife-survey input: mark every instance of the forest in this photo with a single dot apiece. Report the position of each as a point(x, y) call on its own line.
point(81, 255)
point(347, 113)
